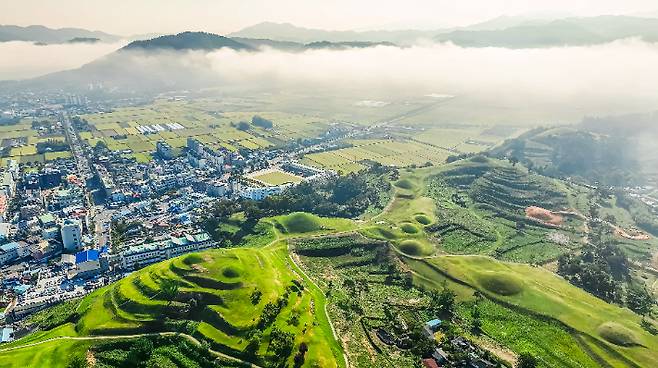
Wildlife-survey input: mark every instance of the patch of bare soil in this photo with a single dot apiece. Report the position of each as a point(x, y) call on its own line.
point(91, 359)
point(544, 216)
point(631, 234)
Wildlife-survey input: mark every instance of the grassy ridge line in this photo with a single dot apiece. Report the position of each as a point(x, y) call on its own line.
point(130, 337)
point(571, 316)
point(577, 334)
point(324, 316)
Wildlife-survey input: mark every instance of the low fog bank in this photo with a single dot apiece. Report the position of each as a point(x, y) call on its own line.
point(619, 77)
point(21, 60)
point(615, 78)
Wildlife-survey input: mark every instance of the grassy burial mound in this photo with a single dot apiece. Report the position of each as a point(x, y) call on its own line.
point(409, 228)
point(301, 223)
point(415, 248)
point(306, 223)
point(617, 334)
point(244, 302)
point(500, 283)
point(405, 184)
point(423, 219)
point(607, 329)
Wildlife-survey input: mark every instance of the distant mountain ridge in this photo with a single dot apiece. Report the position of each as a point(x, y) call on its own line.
point(291, 33)
point(187, 41)
point(45, 35)
point(504, 31)
point(561, 32)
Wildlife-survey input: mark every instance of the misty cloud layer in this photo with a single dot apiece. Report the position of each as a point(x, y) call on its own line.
point(22, 60)
point(615, 78)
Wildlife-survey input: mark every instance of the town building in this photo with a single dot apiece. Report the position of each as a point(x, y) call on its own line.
point(71, 234)
point(144, 254)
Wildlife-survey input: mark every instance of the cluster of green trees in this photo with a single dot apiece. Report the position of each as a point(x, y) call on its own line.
point(261, 122)
point(603, 270)
point(52, 146)
point(148, 352)
point(344, 196)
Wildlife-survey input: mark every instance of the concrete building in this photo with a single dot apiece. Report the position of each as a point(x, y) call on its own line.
point(7, 184)
point(144, 254)
point(8, 252)
point(165, 151)
point(71, 235)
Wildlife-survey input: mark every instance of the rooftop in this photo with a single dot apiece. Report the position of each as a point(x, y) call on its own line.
point(87, 255)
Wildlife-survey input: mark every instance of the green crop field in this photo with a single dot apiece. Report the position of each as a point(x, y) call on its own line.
point(206, 120)
point(399, 153)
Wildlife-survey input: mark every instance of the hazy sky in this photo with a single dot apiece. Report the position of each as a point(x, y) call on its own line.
point(224, 16)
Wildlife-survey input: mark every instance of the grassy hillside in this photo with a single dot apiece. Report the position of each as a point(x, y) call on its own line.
point(247, 303)
point(615, 331)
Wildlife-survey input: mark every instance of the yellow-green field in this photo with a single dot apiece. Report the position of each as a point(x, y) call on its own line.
point(399, 153)
point(202, 120)
point(26, 153)
point(276, 177)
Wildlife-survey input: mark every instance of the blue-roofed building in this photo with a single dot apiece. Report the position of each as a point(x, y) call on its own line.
point(87, 263)
point(7, 335)
point(86, 256)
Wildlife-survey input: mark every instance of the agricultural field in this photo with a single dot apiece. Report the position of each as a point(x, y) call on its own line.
point(140, 128)
point(20, 142)
point(365, 292)
point(400, 153)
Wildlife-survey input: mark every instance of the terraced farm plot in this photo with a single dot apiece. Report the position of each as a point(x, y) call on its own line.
point(356, 272)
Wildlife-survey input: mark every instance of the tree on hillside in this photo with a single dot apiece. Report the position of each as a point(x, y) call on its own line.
point(443, 302)
point(169, 289)
point(78, 361)
point(639, 300)
point(526, 360)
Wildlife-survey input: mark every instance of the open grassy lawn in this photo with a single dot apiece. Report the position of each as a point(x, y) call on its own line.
point(52, 354)
point(539, 291)
point(277, 177)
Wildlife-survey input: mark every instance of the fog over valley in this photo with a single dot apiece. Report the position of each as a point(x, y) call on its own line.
point(558, 83)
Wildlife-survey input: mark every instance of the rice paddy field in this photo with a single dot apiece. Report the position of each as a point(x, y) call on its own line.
point(400, 153)
point(139, 128)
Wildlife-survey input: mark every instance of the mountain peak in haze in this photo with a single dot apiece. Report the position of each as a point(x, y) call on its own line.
point(45, 35)
point(187, 41)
